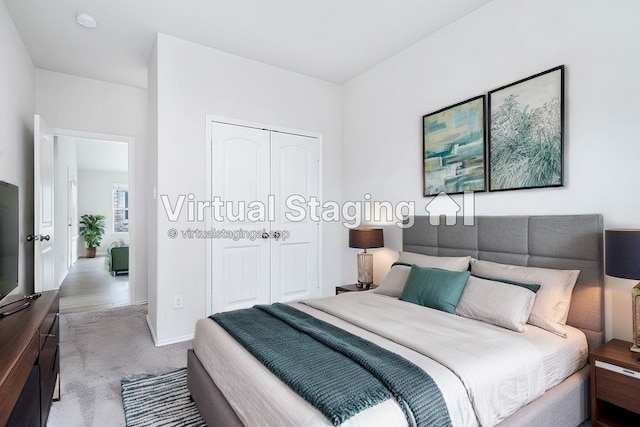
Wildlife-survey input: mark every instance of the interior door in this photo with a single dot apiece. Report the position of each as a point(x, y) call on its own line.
point(42, 236)
point(240, 252)
point(295, 239)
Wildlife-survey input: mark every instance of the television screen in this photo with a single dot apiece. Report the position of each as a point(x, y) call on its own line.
point(8, 238)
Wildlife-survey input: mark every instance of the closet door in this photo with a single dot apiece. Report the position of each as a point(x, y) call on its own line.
point(295, 251)
point(240, 179)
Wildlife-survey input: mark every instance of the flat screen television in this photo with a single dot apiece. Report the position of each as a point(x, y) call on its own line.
point(9, 243)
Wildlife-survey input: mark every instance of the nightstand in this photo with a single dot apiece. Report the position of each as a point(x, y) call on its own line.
point(352, 288)
point(615, 385)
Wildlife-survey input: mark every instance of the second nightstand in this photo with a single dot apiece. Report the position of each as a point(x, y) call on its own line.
point(615, 385)
point(352, 288)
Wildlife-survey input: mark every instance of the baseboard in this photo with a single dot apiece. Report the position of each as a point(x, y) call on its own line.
point(165, 342)
point(174, 340)
point(153, 333)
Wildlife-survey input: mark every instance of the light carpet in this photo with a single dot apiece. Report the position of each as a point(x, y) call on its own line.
point(97, 350)
point(160, 400)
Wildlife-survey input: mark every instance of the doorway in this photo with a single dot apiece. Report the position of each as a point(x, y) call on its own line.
point(93, 175)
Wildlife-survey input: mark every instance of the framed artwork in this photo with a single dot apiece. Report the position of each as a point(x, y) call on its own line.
point(454, 148)
point(526, 120)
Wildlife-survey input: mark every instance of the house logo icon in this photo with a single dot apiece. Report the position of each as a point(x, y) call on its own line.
point(444, 205)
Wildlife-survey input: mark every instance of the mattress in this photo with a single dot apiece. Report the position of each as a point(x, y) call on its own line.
point(463, 356)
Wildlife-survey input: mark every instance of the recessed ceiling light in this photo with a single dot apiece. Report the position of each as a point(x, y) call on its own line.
point(86, 20)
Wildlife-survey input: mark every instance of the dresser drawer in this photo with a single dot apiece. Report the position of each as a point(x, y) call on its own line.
point(12, 386)
point(49, 365)
point(618, 386)
point(48, 322)
point(26, 412)
point(49, 348)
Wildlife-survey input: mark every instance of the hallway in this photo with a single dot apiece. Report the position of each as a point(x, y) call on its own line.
point(90, 287)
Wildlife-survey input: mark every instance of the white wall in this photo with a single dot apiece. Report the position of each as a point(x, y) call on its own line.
point(66, 167)
point(152, 178)
point(94, 198)
point(193, 81)
point(497, 44)
point(17, 106)
point(70, 102)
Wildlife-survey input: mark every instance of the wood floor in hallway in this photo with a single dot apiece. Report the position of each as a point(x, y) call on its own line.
point(90, 287)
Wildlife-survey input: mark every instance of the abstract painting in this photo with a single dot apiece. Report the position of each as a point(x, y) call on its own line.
point(453, 149)
point(526, 132)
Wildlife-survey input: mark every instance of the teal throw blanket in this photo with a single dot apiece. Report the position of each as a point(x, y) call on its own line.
point(337, 372)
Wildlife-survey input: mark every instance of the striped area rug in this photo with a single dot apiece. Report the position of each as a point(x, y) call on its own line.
point(159, 400)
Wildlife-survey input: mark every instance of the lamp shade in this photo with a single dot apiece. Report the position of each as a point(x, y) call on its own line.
point(366, 238)
point(622, 250)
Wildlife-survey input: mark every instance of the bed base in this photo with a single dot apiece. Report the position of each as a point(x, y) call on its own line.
point(211, 403)
point(566, 404)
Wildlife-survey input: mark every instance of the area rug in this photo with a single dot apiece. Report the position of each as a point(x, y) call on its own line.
point(159, 400)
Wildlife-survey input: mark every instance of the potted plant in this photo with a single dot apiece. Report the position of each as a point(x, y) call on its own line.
point(92, 230)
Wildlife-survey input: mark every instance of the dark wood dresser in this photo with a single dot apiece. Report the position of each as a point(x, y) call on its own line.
point(29, 362)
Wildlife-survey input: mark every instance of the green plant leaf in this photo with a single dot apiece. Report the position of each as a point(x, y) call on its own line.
point(92, 229)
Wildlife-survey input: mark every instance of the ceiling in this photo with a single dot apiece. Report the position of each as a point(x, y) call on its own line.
point(102, 155)
point(333, 40)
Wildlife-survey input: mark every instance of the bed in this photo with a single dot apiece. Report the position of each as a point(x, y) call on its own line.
point(231, 388)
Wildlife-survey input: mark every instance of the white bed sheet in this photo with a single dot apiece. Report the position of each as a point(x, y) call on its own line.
point(259, 398)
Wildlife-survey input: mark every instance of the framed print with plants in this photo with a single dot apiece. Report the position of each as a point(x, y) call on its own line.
point(526, 120)
point(454, 148)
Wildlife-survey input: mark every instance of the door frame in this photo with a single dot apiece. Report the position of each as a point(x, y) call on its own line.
point(71, 183)
point(130, 141)
point(209, 118)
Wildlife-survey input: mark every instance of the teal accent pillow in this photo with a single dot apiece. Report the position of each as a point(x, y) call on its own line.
point(435, 288)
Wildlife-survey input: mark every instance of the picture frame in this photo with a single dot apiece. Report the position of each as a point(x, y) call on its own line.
point(453, 150)
point(526, 133)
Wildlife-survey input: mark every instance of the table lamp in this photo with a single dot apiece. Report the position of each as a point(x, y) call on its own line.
point(365, 238)
point(622, 250)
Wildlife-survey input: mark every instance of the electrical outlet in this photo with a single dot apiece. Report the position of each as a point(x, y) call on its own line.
point(178, 301)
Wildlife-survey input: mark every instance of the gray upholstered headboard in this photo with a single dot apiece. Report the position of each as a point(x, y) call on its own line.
point(568, 242)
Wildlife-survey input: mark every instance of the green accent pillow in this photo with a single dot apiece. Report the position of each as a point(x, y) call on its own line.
point(435, 288)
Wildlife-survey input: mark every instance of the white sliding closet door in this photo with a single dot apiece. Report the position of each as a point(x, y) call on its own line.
point(240, 175)
point(294, 260)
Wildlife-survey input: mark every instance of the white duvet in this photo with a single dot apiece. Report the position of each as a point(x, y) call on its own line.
point(484, 372)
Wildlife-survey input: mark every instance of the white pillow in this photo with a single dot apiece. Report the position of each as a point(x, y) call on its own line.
point(443, 262)
point(551, 305)
point(498, 303)
point(393, 283)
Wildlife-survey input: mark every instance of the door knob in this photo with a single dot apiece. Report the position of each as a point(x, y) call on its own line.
point(40, 237)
